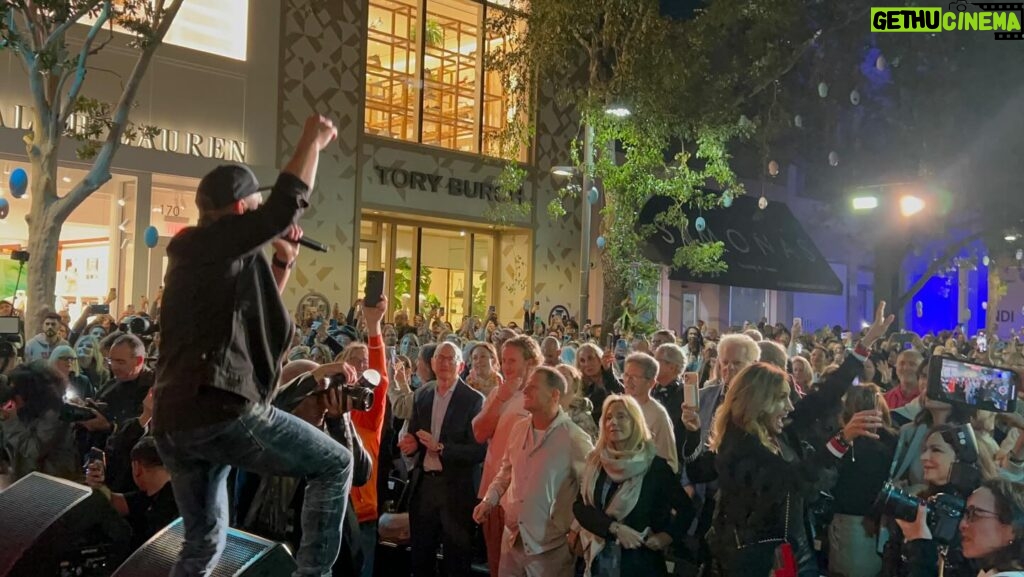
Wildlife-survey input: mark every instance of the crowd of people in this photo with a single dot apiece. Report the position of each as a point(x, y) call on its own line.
point(549, 448)
point(545, 454)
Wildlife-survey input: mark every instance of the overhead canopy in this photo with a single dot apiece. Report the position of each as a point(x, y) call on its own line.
point(766, 249)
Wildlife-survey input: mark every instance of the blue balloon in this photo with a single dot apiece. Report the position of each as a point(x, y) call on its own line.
point(5, 208)
point(151, 236)
point(593, 196)
point(727, 199)
point(600, 242)
point(18, 182)
point(700, 224)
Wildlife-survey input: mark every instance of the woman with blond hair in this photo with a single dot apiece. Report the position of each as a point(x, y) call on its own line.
point(91, 362)
point(767, 472)
point(627, 495)
point(76, 385)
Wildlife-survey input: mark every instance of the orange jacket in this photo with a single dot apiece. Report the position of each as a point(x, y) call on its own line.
point(369, 425)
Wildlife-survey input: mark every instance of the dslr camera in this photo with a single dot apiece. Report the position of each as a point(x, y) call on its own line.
point(358, 396)
point(944, 511)
point(69, 412)
point(138, 325)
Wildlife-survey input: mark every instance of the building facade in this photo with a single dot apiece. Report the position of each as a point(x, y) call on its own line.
point(406, 189)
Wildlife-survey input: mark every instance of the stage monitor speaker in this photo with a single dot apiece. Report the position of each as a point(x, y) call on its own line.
point(50, 526)
point(245, 555)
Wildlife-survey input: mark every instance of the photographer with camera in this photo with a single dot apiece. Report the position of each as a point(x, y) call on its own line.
point(32, 432)
point(991, 532)
point(224, 333)
point(329, 397)
point(120, 399)
point(953, 468)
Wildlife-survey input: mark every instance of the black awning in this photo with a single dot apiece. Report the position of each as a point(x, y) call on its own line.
point(766, 249)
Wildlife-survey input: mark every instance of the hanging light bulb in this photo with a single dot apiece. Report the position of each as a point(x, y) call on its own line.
point(773, 168)
point(855, 97)
point(1020, 254)
point(823, 89)
point(880, 63)
point(798, 121)
point(762, 203)
point(833, 158)
point(985, 260)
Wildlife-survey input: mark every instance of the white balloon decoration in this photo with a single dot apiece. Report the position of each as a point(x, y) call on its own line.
point(833, 158)
point(855, 97)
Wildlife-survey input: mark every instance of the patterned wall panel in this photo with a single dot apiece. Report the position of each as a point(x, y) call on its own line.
point(516, 254)
point(556, 257)
point(321, 70)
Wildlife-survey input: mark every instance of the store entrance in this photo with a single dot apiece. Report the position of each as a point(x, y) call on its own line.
point(435, 269)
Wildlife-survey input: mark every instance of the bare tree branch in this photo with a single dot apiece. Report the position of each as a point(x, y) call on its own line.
point(72, 19)
point(799, 52)
point(80, 68)
point(100, 171)
point(940, 262)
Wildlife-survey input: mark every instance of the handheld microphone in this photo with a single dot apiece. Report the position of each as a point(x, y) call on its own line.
point(312, 244)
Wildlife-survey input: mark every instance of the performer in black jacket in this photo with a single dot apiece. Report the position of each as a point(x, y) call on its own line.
point(223, 336)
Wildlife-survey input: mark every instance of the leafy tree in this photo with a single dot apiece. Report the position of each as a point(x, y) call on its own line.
point(695, 88)
point(57, 68)
point(739, 84)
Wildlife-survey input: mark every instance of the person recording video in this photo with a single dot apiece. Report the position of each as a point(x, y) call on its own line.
point(224, 334)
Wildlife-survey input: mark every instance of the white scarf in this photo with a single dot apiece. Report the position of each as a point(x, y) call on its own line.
point(627, 468)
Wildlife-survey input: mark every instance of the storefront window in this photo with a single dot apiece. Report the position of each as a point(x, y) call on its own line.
point(462, 106)
point(94, 241)
point(432, 268)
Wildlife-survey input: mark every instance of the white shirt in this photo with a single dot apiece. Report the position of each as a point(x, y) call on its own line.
point(539, 481)
point(662, 433)
point(511, 412)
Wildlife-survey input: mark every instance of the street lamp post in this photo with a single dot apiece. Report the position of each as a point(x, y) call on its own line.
point(588, 209)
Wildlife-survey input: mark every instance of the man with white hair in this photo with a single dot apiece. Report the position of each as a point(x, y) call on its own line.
point(735, 353)
point(638, 376)
point(445, 454)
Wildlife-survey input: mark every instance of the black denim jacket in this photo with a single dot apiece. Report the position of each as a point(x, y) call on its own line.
point(223, 324)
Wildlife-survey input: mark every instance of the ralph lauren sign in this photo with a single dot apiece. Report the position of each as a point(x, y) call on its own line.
point(435, 183)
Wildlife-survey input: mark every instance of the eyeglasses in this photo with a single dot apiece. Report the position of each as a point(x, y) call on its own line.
point(973, 514)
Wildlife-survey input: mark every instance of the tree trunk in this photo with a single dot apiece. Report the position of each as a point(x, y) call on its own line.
point(614, 293)
point(44, 225)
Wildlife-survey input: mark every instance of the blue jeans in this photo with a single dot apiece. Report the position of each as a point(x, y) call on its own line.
point(266, 441)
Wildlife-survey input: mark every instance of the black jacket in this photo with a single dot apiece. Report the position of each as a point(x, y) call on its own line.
point(671, 397)
point(757, 481)
point(597, 394)
point(224, 325)
point(660, 494)
point(461, 452)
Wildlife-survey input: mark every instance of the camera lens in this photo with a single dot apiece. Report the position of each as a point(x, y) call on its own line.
point(898, 504)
